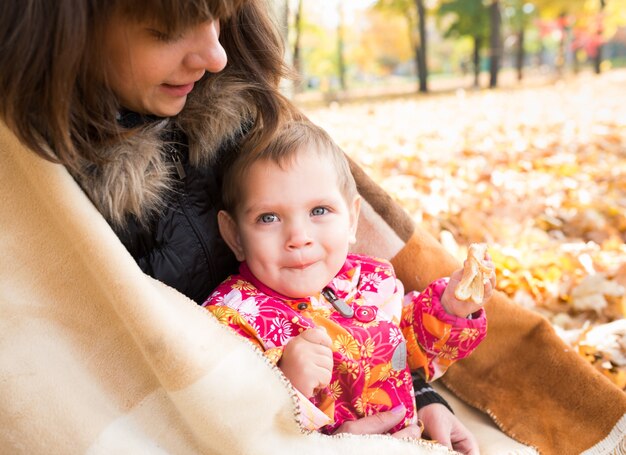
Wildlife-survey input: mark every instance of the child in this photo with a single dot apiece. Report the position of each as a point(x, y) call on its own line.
point(291, 214)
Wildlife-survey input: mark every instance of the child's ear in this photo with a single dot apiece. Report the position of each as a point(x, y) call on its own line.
point(230, 233)
point(354, 217)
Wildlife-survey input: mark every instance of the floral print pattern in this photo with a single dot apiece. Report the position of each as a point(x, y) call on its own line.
point(365, 381)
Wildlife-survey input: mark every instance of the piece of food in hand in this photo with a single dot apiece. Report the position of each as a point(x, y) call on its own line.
point(475, 273)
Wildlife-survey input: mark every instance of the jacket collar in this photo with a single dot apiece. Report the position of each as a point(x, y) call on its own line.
point(135, 179)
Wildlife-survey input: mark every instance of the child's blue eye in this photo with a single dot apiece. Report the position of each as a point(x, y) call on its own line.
point(317, 211)
point(268, 218)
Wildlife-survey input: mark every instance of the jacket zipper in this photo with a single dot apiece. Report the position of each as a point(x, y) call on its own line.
point(178, 163)
point(180, 171)
point(338, 304)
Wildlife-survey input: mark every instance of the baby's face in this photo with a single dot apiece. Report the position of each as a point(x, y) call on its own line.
point(294, 225)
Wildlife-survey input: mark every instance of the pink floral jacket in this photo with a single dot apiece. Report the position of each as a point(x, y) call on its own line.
point(379, 334)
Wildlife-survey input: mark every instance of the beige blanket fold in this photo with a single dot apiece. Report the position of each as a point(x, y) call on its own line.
point(96, 357)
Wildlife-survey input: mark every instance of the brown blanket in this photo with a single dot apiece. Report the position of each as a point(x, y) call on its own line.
point(96, 357)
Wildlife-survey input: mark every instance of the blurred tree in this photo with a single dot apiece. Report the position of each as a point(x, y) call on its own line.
point(466, 18)
point(597, 58)
point(495, 42)
point(317, 54)
point(281, 13)
point(614, 16)
point(422, 65)
point(611, 18)
point(384, 46)
point(556, 8)
point(596, 22)
point(341, 63)
point(296, 54)
point(414, 12)
point(562, 13)
point(519, 13)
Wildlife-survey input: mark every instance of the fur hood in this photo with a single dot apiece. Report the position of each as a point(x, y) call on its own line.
point(135, 180)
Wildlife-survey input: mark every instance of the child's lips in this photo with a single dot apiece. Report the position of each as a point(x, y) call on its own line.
point(302, 265)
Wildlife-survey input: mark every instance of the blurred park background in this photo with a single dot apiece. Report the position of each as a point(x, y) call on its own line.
point(497, 121)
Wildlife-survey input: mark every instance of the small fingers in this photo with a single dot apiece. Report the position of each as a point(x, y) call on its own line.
point(317, 335)
point(325, 373)
point(374, 424)
point(490, 286)
point(312, 378)
point(411, 431)
point(492, 279)
point(457, 274)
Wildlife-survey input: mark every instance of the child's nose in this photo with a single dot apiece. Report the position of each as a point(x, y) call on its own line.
point(206, 50)
point(298, 237)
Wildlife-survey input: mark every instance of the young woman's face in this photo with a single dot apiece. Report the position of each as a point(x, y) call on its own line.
point(152, 73)
point(294, 225)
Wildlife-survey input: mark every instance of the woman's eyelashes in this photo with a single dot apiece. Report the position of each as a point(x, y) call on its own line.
point(163, 36)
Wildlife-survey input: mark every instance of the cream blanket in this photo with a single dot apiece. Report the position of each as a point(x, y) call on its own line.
point(96, 357)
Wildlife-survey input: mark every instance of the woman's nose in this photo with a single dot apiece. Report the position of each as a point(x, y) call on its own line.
point(206, 51)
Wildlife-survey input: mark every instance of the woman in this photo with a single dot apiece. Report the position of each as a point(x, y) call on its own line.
point(140, 101)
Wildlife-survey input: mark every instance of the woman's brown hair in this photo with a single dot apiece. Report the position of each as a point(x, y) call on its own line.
point(52, 90)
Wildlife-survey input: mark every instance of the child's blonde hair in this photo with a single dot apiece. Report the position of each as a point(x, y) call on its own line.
point(291, 139)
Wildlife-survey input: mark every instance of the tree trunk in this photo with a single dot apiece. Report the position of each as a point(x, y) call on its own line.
point(422, 65)
point(297, 61)
point(520, 55)
point(597, 61)
point(495, 43)
point(341, 64)
point(560, 58)
point(477, 45)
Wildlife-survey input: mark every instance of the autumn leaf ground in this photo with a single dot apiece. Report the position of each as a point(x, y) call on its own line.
point(538, 173)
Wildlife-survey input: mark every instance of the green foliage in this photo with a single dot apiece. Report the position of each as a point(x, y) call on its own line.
point(397, 6)
point(464, 18)
point(318, 50)
point(517, 13)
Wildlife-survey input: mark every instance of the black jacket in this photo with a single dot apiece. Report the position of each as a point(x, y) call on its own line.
point(181, 245)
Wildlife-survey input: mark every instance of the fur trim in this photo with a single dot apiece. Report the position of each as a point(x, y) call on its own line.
point(136, 179)
point(215, 115)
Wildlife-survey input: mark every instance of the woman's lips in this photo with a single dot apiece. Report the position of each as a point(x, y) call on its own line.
point(178, 90)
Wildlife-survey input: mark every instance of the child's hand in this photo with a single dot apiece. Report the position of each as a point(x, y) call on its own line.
point(411, 431)
point(481, 272)
point(307, 361)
